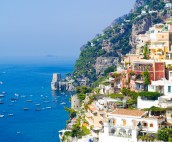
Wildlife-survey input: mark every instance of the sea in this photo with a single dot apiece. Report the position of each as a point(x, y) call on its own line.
point(32, 112)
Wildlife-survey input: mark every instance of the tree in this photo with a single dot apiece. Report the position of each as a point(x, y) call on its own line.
point(109, 69)
point(72, 112)
point(163, 135)
point(146, 76)
point(125, 91)
point(145, 51)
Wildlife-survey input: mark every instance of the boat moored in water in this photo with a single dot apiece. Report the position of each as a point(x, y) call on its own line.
point(1, 115)
point(25, 108)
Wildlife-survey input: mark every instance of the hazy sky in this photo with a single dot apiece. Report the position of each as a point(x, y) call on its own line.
point(37, 28)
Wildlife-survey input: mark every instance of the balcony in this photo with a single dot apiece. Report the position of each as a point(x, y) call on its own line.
point(158, 46)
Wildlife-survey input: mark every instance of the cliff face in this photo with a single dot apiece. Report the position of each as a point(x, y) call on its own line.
point(119, 38)
point(103, 63)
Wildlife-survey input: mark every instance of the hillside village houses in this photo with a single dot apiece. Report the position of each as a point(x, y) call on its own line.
point(123, 124)
point(107, 118)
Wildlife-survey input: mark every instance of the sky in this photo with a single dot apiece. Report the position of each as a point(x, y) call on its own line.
point(31, 30)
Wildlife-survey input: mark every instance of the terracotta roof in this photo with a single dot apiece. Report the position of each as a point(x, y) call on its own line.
point(92, 107)
point(128, 112)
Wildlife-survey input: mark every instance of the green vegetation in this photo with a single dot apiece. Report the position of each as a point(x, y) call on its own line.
point(147, 80)
point(109, 69)
point(125, 91)
point(81, 92)
point(145, 52)
point(165, 134)
point(115, 96)
point(149, 95)
point(83, 89)
point(99, 81)
point(147, 137)
point(72, 112)
point(78, 131)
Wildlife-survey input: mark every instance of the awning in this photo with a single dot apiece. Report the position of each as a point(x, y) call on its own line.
point(97, 128)
point(139, 81)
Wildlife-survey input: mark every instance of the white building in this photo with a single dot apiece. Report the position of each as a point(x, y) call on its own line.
point(124, 125)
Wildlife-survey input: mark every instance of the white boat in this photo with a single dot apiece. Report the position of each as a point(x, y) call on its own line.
point(3, 92)
point(1, 115)
point(1, 82)
point(63, 103)
point(16, 94)
point(48, 107)
point(1, 95)
point(25, 108)
point(10, 114)
point(37, 104)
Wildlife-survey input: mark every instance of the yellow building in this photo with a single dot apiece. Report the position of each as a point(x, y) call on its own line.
point(160, 46)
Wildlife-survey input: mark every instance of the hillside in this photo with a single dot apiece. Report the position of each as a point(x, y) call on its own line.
point(106, 49)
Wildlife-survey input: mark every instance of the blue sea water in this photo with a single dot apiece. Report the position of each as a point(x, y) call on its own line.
point(31, 82)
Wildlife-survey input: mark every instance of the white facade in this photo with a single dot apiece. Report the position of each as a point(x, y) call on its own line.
point(141, 104)
point(162, 86)
point(125, 128)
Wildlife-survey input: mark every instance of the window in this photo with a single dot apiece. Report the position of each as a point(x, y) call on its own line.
point(114, 121)
point(169, 88)
point(170, 74)
point(151, 125)
point(124, 122)
point(145, 124)
point(151, 87)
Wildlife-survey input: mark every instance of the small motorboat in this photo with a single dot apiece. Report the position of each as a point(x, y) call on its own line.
point(37, 104)
point(25, 108)
point(1, 115)
point(10, 114)
point(16, 94)
point(3, 92)
point(1, 95)
point(48, 107)
point(63, 103)
point(14, 99)
point(38, 109)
